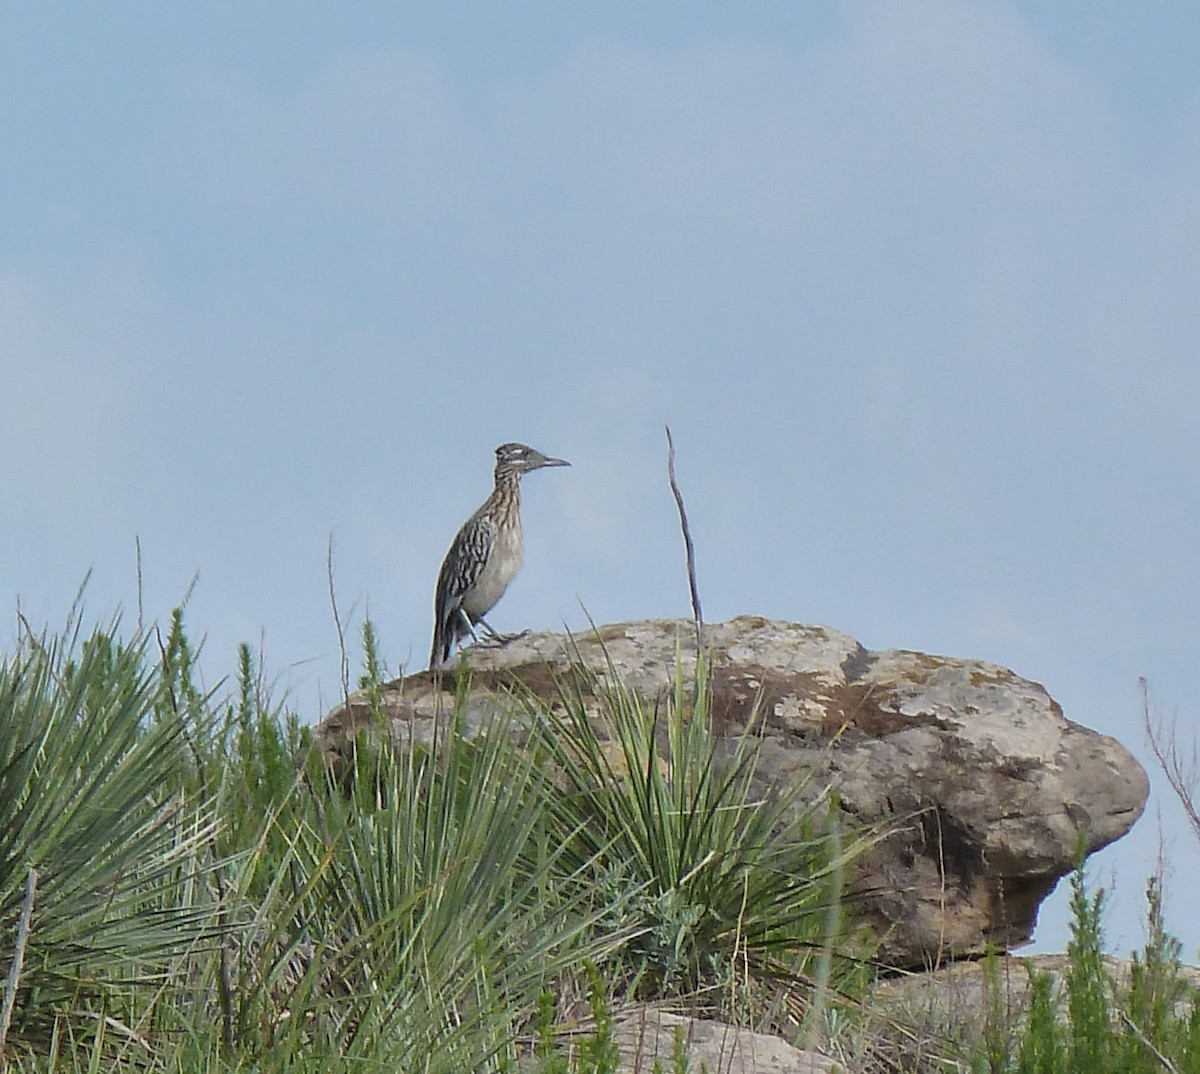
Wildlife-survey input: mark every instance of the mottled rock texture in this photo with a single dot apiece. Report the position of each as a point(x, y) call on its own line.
point(646, 1036)
point(988, 785)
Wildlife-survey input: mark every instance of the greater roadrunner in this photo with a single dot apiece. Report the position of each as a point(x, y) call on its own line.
point(485, 555)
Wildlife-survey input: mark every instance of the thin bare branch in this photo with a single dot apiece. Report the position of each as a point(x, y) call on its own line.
point(1147, 1044)
point(18, 959)
point(137, 548)
point(337, 622)
point(1180, 765)
point(697, 615)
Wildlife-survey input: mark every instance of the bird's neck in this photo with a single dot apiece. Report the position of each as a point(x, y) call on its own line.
point(506, 496)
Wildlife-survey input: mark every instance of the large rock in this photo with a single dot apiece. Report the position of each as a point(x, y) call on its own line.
point(989, 786)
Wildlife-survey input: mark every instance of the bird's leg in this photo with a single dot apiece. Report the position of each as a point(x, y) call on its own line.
point(495, 637)
point(465, 621)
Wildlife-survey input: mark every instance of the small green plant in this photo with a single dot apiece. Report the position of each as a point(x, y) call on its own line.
point(598, 1052)
point(1157, 991)
point(595, 1050)
point(547, 1048)
point(997, 1032)
point(1087, 985)
point(374, 671)
point(1041, 1047)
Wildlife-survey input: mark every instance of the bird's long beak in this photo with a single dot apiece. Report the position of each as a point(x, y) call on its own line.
point(547, 461)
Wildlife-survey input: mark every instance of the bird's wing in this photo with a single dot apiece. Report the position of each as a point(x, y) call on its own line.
point(469, 553)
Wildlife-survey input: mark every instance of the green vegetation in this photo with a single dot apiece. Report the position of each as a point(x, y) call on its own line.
point(202, 894)
point(1097, 1020)
point(184, 887)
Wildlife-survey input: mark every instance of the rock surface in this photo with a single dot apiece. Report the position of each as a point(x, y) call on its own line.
point(646, 1036)
point(989, 786)
point(947, 1003)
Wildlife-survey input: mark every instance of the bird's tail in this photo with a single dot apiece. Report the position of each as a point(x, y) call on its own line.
point(446, 631)
point(441, 647)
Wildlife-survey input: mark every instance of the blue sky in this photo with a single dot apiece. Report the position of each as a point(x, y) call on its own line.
point(914, 284)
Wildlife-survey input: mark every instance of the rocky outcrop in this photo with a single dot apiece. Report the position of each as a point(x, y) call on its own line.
point(988, 786)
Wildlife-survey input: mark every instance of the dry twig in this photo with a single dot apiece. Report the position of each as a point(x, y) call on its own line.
point(1146, 1043)
point(337, 622)
point(1179, 765)
point(697, 615)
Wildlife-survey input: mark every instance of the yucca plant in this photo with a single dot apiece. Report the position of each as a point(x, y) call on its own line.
point(97, 844)
point(723, 884)
point(415, 924)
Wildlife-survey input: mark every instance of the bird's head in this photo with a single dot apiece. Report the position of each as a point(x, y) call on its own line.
point(520, 459)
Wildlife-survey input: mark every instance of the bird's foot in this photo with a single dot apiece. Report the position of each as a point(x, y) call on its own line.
point(494, 640)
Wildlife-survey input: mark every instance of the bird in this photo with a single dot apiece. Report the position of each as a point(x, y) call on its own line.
point(485, 554)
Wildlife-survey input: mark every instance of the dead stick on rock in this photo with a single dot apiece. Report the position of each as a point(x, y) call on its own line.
point(344, 662)
point(14, 970)
point(697, 615)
